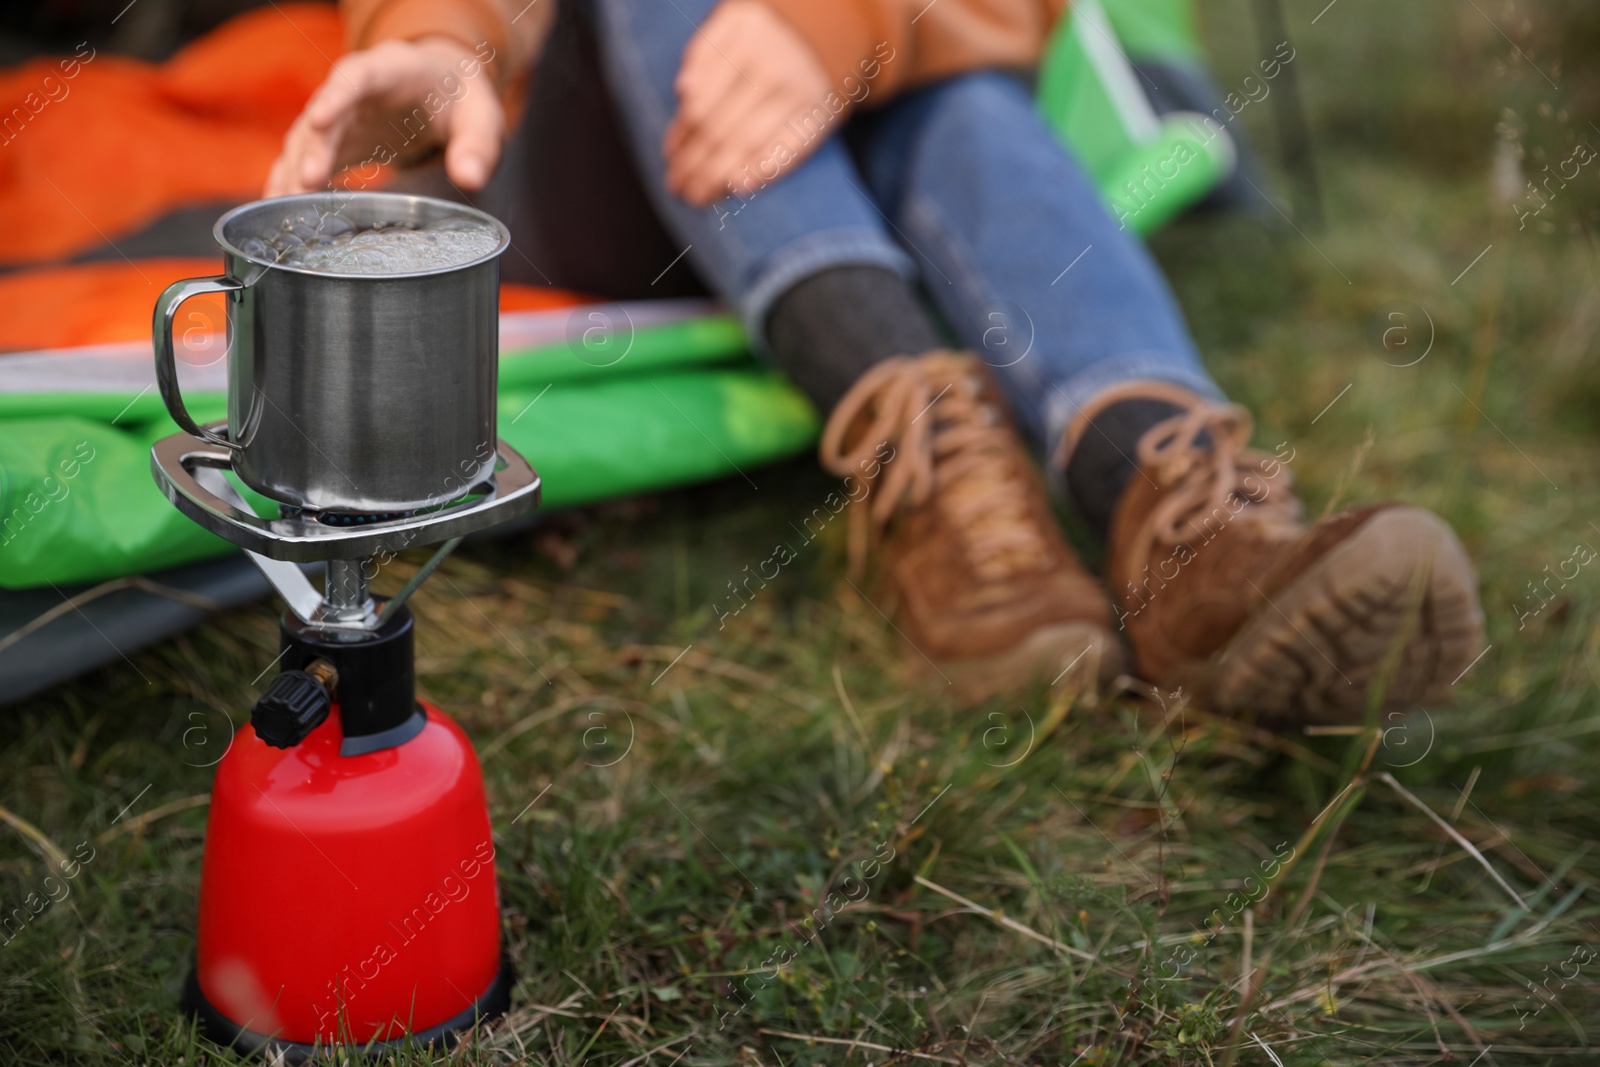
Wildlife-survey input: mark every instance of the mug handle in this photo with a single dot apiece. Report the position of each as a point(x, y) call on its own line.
point(166, 358)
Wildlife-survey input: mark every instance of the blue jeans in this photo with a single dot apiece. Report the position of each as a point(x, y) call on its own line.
point(958, 186)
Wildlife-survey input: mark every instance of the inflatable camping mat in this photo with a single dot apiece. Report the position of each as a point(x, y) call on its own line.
point(605, 399)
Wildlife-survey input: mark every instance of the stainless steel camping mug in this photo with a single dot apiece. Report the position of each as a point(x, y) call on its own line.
point(350, 392)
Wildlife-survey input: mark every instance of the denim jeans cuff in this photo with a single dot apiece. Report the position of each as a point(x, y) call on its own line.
point(816, 252)
point(1073, 395)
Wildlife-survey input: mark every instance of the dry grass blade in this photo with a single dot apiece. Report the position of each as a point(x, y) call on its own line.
point(539, 718)
point(1392, 967)
point(1454, 835)
point(35, 837)
point(873, 1046)
point(116, 585)
point(996, 916)
point(1429, 991)
point(703, 662)
point(139, 822)
point(850, 709)
point(637, 1060)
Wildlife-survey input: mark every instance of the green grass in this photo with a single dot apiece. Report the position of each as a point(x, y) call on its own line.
point(1092, 834)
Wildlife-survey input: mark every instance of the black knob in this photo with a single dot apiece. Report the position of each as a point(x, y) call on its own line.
point(293, 705)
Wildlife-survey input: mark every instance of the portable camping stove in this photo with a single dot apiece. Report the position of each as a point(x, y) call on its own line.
point(348, 892)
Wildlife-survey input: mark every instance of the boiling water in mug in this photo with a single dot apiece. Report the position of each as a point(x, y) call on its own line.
point(329, 243)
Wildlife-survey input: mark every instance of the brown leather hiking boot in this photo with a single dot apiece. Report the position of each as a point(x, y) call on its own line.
point(975, 571)
point(1223, 587)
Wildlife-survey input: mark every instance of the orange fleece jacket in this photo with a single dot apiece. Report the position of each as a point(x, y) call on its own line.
point(891, 43)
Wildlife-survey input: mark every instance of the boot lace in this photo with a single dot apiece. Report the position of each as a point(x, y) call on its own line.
point(1205, 480)
point(951, 445)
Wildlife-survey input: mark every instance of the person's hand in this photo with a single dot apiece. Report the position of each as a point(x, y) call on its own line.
point(750, 92)
point(360, 114)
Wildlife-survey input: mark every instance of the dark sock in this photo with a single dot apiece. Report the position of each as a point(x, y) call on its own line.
point(1107, 456)
point(829, 328)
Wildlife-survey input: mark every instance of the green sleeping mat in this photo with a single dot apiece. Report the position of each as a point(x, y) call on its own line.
point(685, 404)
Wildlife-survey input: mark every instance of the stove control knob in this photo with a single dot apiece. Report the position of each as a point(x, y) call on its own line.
point(294, 704)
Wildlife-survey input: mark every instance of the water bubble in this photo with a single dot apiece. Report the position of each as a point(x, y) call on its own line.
point(332, 244)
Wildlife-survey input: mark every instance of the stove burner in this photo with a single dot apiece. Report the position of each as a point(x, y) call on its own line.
point(342, 518)
point(345, 518)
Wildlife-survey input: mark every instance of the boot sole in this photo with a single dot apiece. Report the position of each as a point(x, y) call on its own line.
point(1075, 649)
point(1394, 606)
